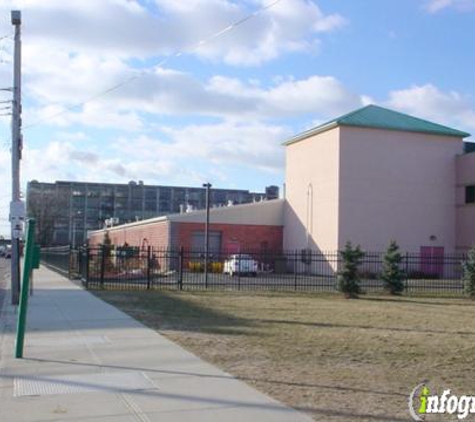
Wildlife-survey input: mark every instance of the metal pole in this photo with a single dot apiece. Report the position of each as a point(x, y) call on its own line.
point(27, 269)
point(74, 234)
point(17, 214)
point(180, 263)
point(149, 263)
point(208, 187)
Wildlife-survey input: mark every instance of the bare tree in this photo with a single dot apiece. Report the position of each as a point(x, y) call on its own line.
point(45, 209)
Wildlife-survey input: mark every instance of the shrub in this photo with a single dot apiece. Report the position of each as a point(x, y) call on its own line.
point(107, 251)
point(348, 277)
point(469, 273)
point(392, 275)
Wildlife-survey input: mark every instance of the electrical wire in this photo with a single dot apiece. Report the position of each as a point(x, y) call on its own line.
point(161, 63)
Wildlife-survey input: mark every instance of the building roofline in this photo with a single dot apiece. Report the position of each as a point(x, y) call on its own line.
point(172, 217)
point(343, 121)
point(310, 132)
point(145, 185)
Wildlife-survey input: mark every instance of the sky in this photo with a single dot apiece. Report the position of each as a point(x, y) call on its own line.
point(195, 106)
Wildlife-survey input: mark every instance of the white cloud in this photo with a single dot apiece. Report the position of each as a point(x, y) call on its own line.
point(169, 92)
point(75, 50)
point(120, 28)
point(428, 101)
point(213, 146)
point(434, 6)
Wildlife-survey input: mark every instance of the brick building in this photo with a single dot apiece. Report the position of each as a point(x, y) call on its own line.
point(246, 227)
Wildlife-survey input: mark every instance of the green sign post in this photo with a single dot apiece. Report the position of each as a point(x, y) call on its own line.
point(25, 286)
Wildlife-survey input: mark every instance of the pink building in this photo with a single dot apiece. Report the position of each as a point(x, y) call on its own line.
point(374, 175)
point(367, 177)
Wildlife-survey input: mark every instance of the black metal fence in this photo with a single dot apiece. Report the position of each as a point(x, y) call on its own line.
point(304, 270)
point(57, 258)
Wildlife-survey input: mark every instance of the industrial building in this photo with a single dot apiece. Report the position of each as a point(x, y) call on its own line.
point(368, 177)
point(250, 227)
point(66, 210)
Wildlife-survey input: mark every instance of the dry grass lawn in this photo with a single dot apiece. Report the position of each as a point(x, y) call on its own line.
point(337, 359)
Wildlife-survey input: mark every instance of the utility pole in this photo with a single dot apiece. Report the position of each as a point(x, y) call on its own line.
point(17, 208)
point(208, 187)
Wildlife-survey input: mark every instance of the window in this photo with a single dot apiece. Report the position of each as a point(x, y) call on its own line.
point(165, 193)
point(470, 194)
point(150, 205)
point(151, 194)
point(122, 192)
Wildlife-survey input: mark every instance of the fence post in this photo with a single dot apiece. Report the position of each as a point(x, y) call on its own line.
point(295, 269)
point(406, 272)
point(103, 264)
point(149, 263)
point(180, 267)
point(70, 259)
point(239, 270)
point(87, 267)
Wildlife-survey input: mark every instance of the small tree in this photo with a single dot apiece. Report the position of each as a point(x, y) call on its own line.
point(469, 273)
point(348, 277)
point(392, 275)
point(107, 251)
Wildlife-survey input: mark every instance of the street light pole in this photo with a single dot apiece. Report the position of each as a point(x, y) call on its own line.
point(74, 235)
point(77, 214)
point(17, 209)
point(208, 187)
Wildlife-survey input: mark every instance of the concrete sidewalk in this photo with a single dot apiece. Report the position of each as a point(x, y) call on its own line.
point(87, 361)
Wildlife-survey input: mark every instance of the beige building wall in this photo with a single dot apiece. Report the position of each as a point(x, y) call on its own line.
point(311, 190)
point(397, 185)
point(265, 213)
point(465, 213)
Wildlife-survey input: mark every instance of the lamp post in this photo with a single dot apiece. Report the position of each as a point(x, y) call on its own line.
point(208, 187)
point(78, 214)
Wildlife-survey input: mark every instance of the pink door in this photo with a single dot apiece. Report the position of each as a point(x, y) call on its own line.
point(432, 260)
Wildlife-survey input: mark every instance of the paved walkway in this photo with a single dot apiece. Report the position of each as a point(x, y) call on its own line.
point(87, 361)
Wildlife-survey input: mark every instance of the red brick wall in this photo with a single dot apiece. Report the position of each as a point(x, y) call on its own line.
point(234, 237)
point(156, 234)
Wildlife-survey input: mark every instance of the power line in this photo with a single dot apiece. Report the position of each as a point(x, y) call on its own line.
point(6, 36)
point(161, 63)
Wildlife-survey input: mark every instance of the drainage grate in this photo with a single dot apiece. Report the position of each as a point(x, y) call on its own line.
point(86, 383)
point(66, 341)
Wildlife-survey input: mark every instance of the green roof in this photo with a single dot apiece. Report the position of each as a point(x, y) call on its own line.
point(376, 117)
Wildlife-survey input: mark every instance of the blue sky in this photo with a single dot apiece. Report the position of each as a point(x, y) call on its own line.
point(221, 111)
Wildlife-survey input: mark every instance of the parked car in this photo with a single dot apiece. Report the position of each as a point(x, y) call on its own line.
point(240, 264)
point(7, 253)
